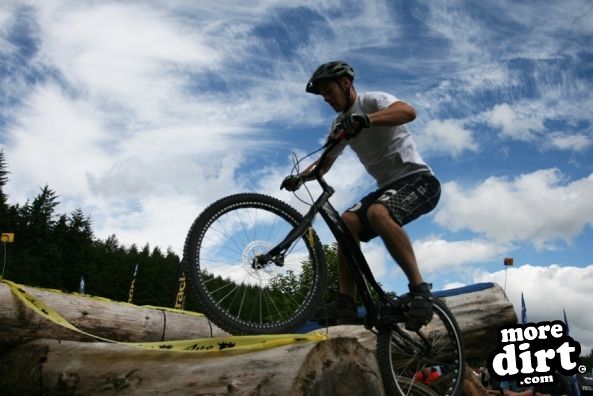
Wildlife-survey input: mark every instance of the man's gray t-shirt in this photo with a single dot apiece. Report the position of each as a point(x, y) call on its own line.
point(388, 153)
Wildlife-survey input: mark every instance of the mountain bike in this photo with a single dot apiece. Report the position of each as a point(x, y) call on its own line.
point(256, 266)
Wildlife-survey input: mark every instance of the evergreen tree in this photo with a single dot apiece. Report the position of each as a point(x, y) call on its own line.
point(42, 263)
point(74, 236)
point(55, 251)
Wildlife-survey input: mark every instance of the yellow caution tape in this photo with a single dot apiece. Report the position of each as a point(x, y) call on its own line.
point(103, 299)
point(236, 344)
point(44, 310)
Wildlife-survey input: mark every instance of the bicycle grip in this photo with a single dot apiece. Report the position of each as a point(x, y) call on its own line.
point(338, 133)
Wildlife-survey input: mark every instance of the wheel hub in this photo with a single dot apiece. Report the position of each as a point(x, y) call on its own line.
point(251, 251)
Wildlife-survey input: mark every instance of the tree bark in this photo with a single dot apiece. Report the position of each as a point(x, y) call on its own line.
point(338, 366)
point(100, 317)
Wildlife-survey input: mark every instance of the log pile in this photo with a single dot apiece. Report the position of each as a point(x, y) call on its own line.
point(39, 357)
point(101, 317)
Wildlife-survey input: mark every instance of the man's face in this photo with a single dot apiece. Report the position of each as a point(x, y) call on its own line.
point(332, 93)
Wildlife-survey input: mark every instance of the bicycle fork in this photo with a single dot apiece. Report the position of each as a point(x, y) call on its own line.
point(276, 254)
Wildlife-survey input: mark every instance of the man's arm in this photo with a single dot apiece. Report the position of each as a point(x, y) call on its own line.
point(397, 113)
point(307, 174)
point(294, 182)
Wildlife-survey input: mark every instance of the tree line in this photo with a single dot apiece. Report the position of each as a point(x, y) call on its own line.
point(57, 251)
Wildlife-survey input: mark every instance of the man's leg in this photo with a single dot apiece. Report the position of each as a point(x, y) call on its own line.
point(347, 284)
point(396, 240)
point(344, 305)
point(418, 303)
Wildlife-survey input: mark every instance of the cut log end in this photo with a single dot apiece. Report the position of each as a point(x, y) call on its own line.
point(340, 358)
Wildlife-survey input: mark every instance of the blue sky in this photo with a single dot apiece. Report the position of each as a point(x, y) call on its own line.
point(141, 113)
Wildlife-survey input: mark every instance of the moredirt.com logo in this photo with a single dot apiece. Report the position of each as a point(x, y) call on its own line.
point(532, 353)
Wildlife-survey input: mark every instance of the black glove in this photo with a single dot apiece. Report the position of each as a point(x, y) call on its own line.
point(292, 183)
point(354, 123)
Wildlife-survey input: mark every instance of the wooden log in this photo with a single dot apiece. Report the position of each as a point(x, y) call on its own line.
point(338, 366)
point(343, 365)
point(479, 314)
point(100, 317)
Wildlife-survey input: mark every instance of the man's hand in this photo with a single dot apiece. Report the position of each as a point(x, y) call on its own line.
point(353, 124)
point(292, 183)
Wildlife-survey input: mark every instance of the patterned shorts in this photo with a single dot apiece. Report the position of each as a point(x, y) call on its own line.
point(406, 199)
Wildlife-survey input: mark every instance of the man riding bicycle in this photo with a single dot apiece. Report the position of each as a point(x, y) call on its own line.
point(374, 124)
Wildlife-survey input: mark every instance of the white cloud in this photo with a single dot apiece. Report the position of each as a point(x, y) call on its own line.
point(374, 22)
point(577, 142)
point(435, 254)
point(55, 138)
point(549, 290)
point(126, 58)
point(453, 285)
point(461, 29)
point(516, 123)
point(547, 23)
point(129, 176)
point(379, 260)
point(350, 180)
point(538, 207)
point(447, 137)
point(539, 76)
point(525, 120)
point(127, 116)
point(158, 220)
point(5, 24)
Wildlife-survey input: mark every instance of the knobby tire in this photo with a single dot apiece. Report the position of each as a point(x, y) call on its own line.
point(218, 260)
point(401, 354)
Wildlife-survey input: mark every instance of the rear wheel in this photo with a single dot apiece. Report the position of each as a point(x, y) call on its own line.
point(242, 297)
point(428, 362)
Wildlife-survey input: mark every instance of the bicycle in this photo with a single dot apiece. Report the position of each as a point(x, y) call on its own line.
point(256, 266)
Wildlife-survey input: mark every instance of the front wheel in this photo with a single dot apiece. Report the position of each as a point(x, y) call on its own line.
point(237, 294)
point(428, 362)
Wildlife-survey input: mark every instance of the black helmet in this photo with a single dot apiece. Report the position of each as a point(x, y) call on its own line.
point(330, 70)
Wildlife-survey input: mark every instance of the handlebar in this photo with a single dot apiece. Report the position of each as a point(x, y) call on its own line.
point(339, 134)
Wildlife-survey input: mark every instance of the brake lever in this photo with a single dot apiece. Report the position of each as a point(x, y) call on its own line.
point(341, 133)
point(338, 134)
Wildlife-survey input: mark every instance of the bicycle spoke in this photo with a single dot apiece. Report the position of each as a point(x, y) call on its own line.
point(407, 358)
point(221, 250)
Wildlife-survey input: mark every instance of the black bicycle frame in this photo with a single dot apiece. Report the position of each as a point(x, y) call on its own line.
point(363, 276)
